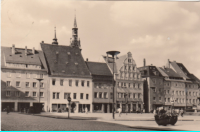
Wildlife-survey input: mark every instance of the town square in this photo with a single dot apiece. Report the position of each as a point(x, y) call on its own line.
point(100, 65)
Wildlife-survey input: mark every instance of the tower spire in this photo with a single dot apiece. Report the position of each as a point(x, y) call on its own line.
point(75, 24)
point(55, 39)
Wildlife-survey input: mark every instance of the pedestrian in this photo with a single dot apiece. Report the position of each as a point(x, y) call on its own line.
point(120, 111)
point(181, 112)
point(8, 109)
point(86, 110)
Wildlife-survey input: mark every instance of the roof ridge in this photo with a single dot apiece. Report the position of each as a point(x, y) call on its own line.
point(95, 62)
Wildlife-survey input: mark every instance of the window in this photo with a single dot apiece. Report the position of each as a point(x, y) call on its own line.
point(70, 82)
point(8, 93)
point(41, 85)
point(9, 74)
point(8, 83)
point(179, 92)
point(153, 89)
point(27, 84)
point(168, 99)
point(26, 94)
point(41, 94)
point(111, 95)
point(34, 84)
point(182, 92)
point(129, 95)
point(77, 83)
point(28, 75)
point(17, 93)
point(61, 82)
point(54, 95)
point(129, 60)
point(88, 83)
point(159, 89)
point(165, 100)
point(17, 84)
point(100, 95)
point(159, 98)
point(105, 95)
point(66, 95)
point(81, 95)
point(82, 83)
point(58, 95)
point(133, 95)
point(95, 95)
point(54, 82)
point(99, 85)
point(164, 91)
point(34, 94)
point(167, 91)
point(125, 67)
point(176, 92)
point(87, 96)
point(154, 98)
point(74, 97)
point(129, 68)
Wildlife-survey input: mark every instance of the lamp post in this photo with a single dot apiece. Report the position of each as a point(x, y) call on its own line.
point(39, 79)
point(69, 108)
point(113, 54)
point(126, 102)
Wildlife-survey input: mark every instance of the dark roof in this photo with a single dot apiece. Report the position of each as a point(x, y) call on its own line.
point(170, 72)
point(65, 61)
point(98, 68)
point(183, 68)
point(194, 78)
point(20, 58)
point(178, 70)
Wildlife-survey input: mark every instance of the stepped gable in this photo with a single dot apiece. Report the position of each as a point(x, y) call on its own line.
point(98, 68)
point(65, 61)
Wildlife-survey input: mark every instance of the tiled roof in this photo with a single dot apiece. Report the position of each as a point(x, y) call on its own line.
point(162, 72)
point(183, 68)
point(170, 72)
point(20, 58)
point(97, 68)
point(178, 70)
point(194, 78)
point(65, 61)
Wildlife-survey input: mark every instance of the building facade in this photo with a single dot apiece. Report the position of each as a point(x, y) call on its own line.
point(102, 81)
point(20, 69)
point(128, 83)
point(68, 75)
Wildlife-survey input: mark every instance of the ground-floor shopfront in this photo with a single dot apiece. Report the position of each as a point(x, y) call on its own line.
point(74, 106)
point(102, 107)
point(21, 106)
point(130, 107)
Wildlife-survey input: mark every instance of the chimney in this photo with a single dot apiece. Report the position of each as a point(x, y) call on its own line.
point(33, 50)
point(168, 63)
point(13, 49)
point(25, 50)
point(151, 64)
point(144, 62)
point(86, 59)
point(42, 41)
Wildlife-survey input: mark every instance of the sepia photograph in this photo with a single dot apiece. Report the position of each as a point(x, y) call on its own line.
point(110, 65)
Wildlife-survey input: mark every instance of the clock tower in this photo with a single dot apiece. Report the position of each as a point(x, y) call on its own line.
point(74, 41)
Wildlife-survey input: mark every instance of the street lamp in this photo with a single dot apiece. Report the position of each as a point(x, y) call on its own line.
point(69, 108)
point(113, 53)
point(39, 79)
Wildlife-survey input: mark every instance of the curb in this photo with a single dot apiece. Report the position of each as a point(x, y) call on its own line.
point(155, 129)
point(71, 118)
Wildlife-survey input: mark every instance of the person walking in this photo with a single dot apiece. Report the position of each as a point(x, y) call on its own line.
point(8, 109)
point(181, 112)
point(120, 111)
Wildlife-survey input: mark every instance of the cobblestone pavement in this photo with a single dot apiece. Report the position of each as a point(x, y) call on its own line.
point(22, 122)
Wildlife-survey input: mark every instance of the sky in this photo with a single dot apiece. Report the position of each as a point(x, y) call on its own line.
point(154, 30)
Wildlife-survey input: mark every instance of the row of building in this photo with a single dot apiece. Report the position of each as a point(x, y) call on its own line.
point(48, 77)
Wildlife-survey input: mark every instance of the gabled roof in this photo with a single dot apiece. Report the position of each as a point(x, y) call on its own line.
point(65, 61)
point(178, 70)
point(162, 72)
point(20, 58)
point(170, 72)
point(183, 68)
point(98, 68)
